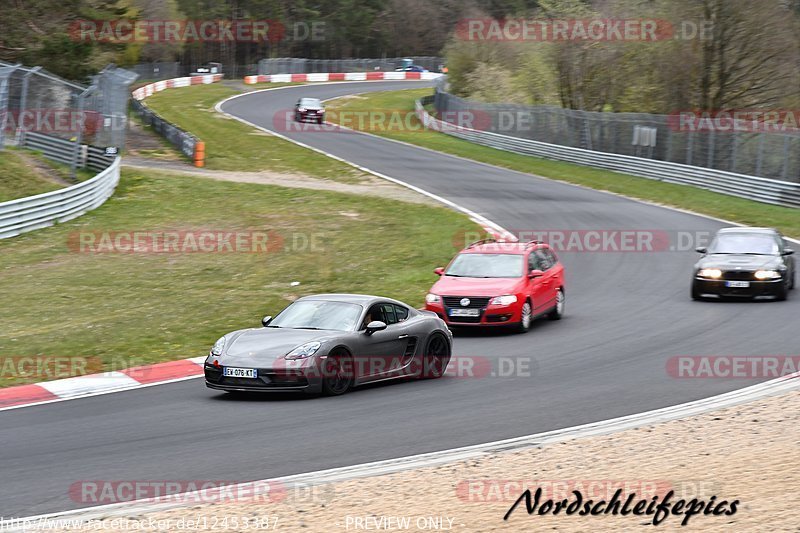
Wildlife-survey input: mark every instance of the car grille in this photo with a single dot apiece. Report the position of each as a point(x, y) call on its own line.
point(738, 275)
point(266, 378)
point(475, 302)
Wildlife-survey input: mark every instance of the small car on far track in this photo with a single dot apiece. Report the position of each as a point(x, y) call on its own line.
point(309, 109)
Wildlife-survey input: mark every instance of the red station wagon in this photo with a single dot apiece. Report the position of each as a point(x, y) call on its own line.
point(491, 283)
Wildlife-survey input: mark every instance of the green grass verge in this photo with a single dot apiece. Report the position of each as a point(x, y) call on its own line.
point(18, 179)
point(232, 145)
point(682, 196)
point(135, 308)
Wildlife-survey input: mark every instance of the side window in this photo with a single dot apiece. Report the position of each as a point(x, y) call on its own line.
point(400, 312)
point(553, 259)
point(533, 262)
point(388, 312)
point(375, 313)
point(544, 260)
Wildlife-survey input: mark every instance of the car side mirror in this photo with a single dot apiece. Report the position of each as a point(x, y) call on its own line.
point(701, 249)
point(438, 271)
point(266, 320)
point(535, 274)
point(788, 251)
point(375, 325)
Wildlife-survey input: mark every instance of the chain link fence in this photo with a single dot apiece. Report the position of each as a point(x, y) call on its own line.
point(295, 65)
point(657, 137)
point(60, 118)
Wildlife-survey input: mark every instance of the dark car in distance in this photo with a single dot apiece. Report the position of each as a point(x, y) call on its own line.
point(745, 262)
point(309, 109)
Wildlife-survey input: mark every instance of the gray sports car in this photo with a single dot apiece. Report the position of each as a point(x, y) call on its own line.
point(329, 343)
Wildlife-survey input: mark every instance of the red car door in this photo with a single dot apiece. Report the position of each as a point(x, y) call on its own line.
point(538, 287)
point(550, 280)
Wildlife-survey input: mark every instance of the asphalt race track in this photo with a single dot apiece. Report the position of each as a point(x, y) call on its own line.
point(627, 315)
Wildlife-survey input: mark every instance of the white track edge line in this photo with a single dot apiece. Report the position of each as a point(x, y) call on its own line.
point(426, 460)
point(98, 393)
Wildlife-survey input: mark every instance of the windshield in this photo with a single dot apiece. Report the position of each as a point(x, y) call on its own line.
point(310, 102)
point(743, 243)
point(487, 266)
point(318, 314)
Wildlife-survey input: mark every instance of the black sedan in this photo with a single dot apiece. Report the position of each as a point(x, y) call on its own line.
point(309, 109)
point(329, 343)
point(745, 262)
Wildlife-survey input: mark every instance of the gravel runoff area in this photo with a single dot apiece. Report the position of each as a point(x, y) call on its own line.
point(368, 184)
point(747, 453)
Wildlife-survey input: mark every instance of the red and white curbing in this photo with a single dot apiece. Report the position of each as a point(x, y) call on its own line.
point(341, 76)
point(150, 89)
point(104, 383)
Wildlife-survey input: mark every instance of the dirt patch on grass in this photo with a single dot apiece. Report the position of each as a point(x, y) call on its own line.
point(367, 185)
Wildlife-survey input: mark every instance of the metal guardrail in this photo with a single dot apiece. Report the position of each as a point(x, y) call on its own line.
point(764, 190)
point(63, 151)
point(182, 140)
point(188, 144)
point(34, 212)
point(55, 148)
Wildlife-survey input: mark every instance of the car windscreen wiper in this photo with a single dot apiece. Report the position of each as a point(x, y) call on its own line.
point(307, 327)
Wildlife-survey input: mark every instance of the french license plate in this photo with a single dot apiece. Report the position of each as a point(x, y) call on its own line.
point(737, 284)
point(465, 312)
point(232, 372)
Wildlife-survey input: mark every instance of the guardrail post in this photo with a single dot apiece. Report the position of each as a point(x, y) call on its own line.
point(712, 145)
point(5, 74)
point(79, 136)
point(23, 103)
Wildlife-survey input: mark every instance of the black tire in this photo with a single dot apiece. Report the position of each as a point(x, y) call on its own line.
point(792, 280)
point(558, 310)
point(527, 317)
point(435, 357)
point(783, 292)
point(320, 120)
point(337, 375)
point(696, 294)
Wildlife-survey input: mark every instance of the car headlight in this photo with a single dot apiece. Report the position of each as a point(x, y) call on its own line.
point(433, 298)
point(301, 109)
point(713, 273)
point(767, 274)
point(218, 347)
point(304, 350)
point(507, 299)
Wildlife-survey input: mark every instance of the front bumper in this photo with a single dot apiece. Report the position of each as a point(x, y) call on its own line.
point(718, 287)
point(489, 316)
point(309, 115)
point(268, 380)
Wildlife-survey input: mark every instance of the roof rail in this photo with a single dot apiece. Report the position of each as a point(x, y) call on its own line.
point(533, 243)
point(482, 241)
